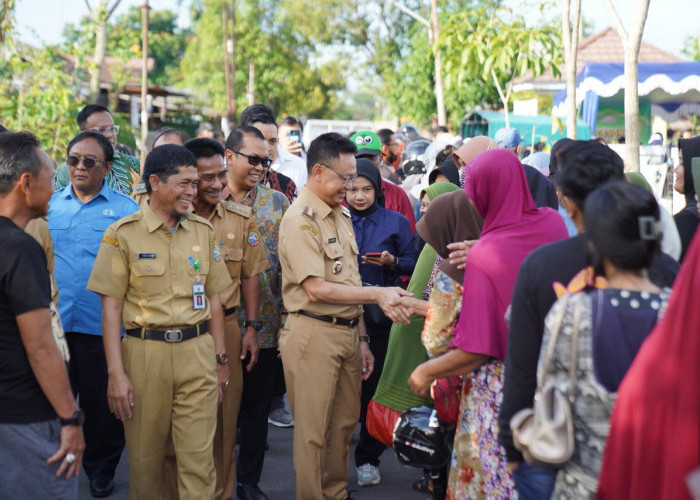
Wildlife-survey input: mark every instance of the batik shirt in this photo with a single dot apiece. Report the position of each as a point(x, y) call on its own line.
point(123, 176)
point(268, 208)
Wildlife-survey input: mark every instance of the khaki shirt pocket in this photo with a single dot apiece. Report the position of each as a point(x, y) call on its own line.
point(203, 268)
point(334, 253)
point(234, 262)
point(355, 248)
point(147, 277)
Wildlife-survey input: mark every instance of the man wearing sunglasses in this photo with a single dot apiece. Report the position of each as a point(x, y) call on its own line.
point(125, 172)
point(78, 216)
point(325, 350)
point(246, 158)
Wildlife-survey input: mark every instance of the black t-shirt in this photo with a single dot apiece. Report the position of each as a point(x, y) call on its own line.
point(533, 297)
point(24, 287)
point(687, 224)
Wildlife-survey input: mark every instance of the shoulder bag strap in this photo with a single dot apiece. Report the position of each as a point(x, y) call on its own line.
point(574, 352)
point(553, 341)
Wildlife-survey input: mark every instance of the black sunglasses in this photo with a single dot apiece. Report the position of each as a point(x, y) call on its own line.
point(88, 163)
point(256, 160)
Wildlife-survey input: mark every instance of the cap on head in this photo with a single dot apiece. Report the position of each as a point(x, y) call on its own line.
point(367, 143)
point(507, 137)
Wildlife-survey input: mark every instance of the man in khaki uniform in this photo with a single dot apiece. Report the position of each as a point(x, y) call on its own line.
point(324, 348)
point(159, 277)
point(241, 248)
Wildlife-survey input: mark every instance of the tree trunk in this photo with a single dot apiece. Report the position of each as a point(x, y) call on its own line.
point(439, 91)
point(570, 36)
point(631, 41)
point(251, 82)
point(99, 57)
point(229, 34)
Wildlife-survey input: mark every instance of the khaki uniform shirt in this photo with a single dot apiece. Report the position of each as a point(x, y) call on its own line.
point(147, 266)
point(317, 240)
point(139, 194)
point(240, 245)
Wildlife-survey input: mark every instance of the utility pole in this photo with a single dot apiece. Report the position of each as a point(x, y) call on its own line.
point(144, 80)
point(228, 18)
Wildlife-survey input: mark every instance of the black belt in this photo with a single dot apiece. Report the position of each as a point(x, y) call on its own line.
point(229, 312)
point(173, 335)
point(332, 319)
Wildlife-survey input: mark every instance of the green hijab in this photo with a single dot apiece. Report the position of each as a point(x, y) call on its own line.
point(638, 179)
point(405, 351)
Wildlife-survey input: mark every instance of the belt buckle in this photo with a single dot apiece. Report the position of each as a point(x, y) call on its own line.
point(173, 336)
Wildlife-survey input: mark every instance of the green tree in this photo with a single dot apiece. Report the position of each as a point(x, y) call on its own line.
point(691, 48)
point(287, 75)
point(498, 47)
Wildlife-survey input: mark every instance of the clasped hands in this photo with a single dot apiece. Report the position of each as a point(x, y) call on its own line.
point(391, 303)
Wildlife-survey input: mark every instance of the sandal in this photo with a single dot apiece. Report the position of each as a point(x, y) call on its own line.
point(423, 485)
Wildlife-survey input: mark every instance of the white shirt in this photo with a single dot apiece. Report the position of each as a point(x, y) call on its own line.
point(292, 166)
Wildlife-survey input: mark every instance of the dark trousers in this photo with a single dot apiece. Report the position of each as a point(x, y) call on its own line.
point(252, 418)
point(279, 388)
point(368, 449)
point(104, 434)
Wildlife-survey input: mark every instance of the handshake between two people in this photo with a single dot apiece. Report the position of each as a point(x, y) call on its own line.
point(394, 303)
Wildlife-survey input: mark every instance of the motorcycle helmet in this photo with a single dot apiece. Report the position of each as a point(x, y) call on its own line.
point(420, 440)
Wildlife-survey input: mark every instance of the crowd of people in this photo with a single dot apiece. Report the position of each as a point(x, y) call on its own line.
point(537, 306)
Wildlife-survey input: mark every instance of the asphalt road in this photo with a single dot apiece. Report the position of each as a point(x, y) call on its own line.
point(278, 474)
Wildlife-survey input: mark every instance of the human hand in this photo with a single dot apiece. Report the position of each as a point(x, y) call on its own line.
point(72, 443)
point(120, 396)
point(222, 376)
point(419, 381)
point(291, 145)
point(389, 299)
point(250, 345)
point(367, 360)
point(459, 250)
point(385, 259)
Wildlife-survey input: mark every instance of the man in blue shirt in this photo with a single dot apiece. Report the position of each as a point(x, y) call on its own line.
point(78, 216)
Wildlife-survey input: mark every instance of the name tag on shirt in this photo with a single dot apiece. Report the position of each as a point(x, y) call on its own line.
point(150, 256)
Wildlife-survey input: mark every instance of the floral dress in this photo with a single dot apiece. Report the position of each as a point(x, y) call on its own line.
point(479, 468)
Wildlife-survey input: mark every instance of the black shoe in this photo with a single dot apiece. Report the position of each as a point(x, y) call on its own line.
point(101, 487)
point(250, 492)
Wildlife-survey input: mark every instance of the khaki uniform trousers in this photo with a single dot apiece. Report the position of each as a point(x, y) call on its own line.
point(323, 372)
point(175, 395)
point(226, 423)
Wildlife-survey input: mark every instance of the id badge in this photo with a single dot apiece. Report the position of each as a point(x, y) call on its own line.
point(198, 298)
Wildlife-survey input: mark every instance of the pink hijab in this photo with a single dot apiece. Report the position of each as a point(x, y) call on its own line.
point(513, 227)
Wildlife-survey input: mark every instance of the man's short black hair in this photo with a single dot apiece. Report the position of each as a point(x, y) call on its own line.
point(89, 110)
point(327, 148)
point(107, 149)
point(385, 135)
point(165, 131)
point(255, 109)
point(235, 139)
point(584, 166)
point(205, 147)
point(165, 161)
point(290, 121)
point(263, 118)
point(19, 153)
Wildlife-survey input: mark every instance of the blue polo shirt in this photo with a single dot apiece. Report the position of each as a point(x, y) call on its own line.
point(76, 229)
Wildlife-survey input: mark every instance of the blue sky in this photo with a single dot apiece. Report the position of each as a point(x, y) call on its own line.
point(668, 24)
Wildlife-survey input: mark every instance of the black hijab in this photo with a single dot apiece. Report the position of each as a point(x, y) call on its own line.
point(541, 188)
point(448, 169)
point(690, 149)
point(365, 168)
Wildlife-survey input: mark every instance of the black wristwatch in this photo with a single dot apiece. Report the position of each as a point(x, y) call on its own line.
point(257, 324)
point(78, 418)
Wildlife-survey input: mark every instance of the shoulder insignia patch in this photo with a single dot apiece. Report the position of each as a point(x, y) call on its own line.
point(309, 213)
point(253, 238)
point(140, 188)
point(111, 241)
point(311, 229)
point(346, 211)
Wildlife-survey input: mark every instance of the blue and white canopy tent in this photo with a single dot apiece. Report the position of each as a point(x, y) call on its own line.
point(667, 90)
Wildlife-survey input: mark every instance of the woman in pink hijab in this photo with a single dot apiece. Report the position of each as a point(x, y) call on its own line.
point(513, 227)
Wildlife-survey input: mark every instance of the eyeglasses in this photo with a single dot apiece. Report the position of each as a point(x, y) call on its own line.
point(114, 129)
point(256, 160)
point(346, 180)
point(88, 163)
